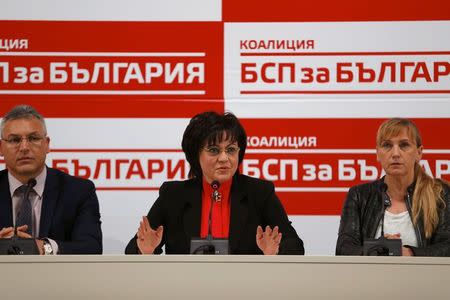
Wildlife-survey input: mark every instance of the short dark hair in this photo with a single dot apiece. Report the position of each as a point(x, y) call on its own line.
point(22, 112)
point(207, 128)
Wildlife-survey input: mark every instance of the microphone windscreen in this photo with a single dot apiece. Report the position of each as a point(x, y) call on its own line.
point(31, 182)
point(386, 200)
point(215, 185)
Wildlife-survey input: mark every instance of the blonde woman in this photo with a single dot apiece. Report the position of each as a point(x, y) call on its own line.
point(419, 211)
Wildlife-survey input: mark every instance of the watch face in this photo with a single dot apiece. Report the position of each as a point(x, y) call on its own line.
point(48, 248)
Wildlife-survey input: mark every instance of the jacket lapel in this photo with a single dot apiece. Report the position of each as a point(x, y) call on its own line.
point(192, 208)
point(6, 218)
point(49, 202)
point(238, 214)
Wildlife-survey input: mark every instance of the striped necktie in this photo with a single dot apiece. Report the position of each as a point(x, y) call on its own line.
point(24, 215)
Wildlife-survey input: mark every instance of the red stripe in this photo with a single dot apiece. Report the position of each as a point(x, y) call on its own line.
point(331, 10)
point(312, 203)
point(117, 36)
point(54, 106)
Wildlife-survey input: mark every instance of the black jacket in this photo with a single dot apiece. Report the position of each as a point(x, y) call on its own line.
point(70, 212)
point(253, 203)
point(361, 217)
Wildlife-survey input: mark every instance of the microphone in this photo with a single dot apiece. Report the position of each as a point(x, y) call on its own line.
point(215, 184)
point(209, 245)
point(215, 196)
point(32, 182)
point(30, 185)
point(383, 246)
point(386, 203)
point(20, 246)
point(386, 247)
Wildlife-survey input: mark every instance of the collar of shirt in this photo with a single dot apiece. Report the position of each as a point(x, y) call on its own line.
point(14, 183)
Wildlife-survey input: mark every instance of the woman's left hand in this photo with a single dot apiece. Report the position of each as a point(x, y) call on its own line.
point(269, 240)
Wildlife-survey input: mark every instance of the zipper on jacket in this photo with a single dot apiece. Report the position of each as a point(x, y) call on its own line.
point(378, 219)
point(376, 227)
point(416, 226)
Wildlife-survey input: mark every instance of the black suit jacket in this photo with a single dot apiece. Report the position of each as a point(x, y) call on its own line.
point(70, 212)
point(253, 203)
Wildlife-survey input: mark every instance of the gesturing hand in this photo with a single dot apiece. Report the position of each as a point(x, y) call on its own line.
point(269, 240)
point(147, 238)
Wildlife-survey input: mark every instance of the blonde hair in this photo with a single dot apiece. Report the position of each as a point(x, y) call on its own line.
point(427, 196)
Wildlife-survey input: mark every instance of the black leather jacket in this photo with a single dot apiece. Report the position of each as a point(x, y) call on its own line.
point(362, 213)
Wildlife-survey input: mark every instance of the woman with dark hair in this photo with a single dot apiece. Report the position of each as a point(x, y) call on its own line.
point(214, 145)
point(418, 206)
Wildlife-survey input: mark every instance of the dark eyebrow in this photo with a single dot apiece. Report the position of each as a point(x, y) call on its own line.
point(13, 135)
point(230, 144)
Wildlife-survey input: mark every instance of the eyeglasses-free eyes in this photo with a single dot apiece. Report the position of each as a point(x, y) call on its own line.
point(15, 140)
point(215, 151)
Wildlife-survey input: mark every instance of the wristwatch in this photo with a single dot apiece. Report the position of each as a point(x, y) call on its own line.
point(47, 247)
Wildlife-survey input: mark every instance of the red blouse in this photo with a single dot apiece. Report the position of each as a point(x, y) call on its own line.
point(220, 216)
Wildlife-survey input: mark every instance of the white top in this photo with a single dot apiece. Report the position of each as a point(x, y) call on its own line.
point(399, 223)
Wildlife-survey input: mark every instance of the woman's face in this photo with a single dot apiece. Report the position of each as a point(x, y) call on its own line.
point(398, 155)
point(219, 161)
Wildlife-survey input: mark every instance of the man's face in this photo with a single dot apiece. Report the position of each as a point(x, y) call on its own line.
point(25, 159)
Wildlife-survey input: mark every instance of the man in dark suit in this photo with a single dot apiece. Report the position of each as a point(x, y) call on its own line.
point(59, 211)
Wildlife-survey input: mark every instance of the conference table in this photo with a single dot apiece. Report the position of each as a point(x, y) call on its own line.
point(223, 277)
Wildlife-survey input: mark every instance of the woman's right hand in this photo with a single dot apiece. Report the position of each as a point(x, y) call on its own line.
point(147, 238)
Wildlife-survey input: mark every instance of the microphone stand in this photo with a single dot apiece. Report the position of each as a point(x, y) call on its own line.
point(383, 246)
point(215, 196)
point(209, 245)
point(383, 250)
